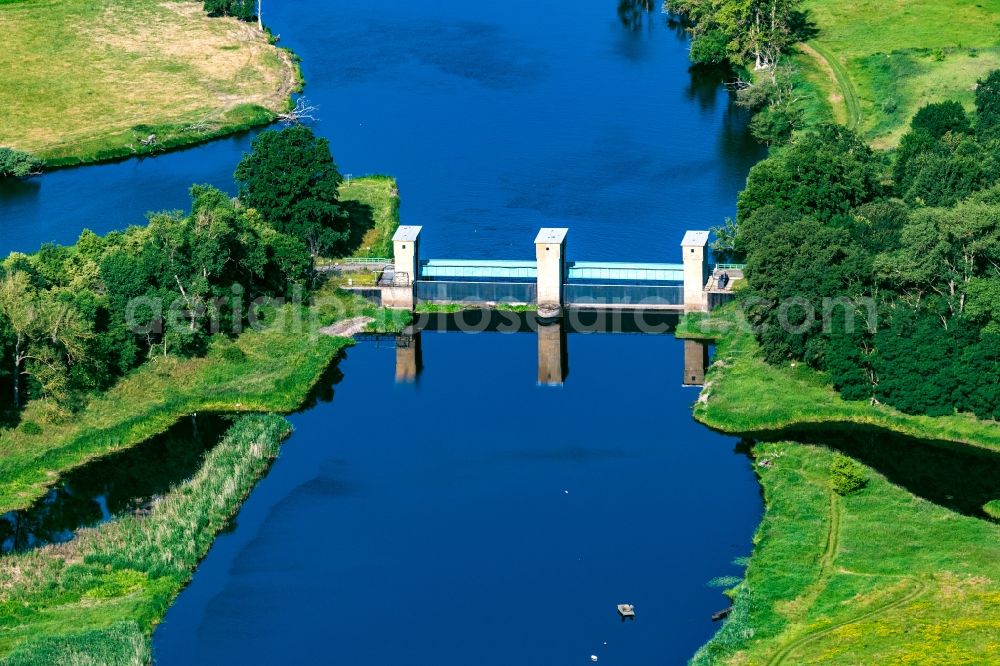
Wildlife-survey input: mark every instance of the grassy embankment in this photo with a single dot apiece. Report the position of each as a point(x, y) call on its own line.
point(880, 576)
point(95, 599)
point(271, 370)
point(373, 205)
point(872, 64)
point(87, 80)
point(733, 399)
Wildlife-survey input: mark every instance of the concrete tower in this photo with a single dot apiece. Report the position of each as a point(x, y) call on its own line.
point(694, 247)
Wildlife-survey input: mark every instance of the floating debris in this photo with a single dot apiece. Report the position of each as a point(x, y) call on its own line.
point(722, 614)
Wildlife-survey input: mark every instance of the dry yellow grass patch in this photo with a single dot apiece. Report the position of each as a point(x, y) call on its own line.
point(87, 79)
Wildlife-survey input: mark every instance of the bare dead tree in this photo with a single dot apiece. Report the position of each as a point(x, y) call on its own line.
point(201, 126)
point(300, 113)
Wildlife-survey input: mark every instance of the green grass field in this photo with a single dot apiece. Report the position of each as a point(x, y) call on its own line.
point(373, 204)
point(877, 577)
point(898, 56)
point(95, 599)
point(86, 80)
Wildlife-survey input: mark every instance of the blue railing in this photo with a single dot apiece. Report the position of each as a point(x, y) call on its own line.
point(605, 271)
point(477, 269)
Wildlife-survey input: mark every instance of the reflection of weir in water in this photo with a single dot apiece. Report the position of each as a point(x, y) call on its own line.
point(114, 485)
point(553, 350)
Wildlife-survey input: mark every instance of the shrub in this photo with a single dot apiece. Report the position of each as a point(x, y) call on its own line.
point(710, 48)
point(846, 475)
point(988, 104)
point(31, 428)
point(992, 509)
point(18, 164)
point(941, 118)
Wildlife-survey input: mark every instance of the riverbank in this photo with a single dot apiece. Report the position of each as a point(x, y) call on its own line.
point(95, 599)
point(871, 66)
point(877, 576)
point(267, 370)
point(270, 370)
point(796, 396)
point(84, 82)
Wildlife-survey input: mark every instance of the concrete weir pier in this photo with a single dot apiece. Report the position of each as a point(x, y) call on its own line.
point(551, 282)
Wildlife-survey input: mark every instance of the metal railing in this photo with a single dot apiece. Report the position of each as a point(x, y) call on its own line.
point(729, 267)
point(478, 269)
point(623, 271)
point(366, 261)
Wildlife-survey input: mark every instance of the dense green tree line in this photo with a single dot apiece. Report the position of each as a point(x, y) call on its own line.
point(74, 319)
point(883, 269)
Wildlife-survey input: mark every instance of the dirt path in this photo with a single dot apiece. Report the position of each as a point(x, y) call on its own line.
point(838, 75)
point(347, 327)
point(780, 658)
point(826, 573)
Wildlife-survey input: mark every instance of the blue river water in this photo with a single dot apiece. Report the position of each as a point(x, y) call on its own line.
point(476, 517)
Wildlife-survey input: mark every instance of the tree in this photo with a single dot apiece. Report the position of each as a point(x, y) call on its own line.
point(940, 172)
point(289, 176)
point(18, 164)
point(744, 32)
point(48, 332)
point(941, 252)
point(241, 9)
point(940, 118)
point(988, 106)
point(822, 174)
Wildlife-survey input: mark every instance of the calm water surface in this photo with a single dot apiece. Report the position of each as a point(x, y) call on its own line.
point(475, 517)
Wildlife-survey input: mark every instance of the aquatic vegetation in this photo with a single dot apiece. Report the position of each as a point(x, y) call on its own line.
point(96, 599)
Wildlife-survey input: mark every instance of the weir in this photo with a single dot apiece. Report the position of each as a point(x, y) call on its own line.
point(550, 281)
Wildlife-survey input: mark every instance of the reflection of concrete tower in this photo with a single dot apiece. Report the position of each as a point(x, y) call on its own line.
point(553, 358)
point(409, 357)
point(695, 362)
